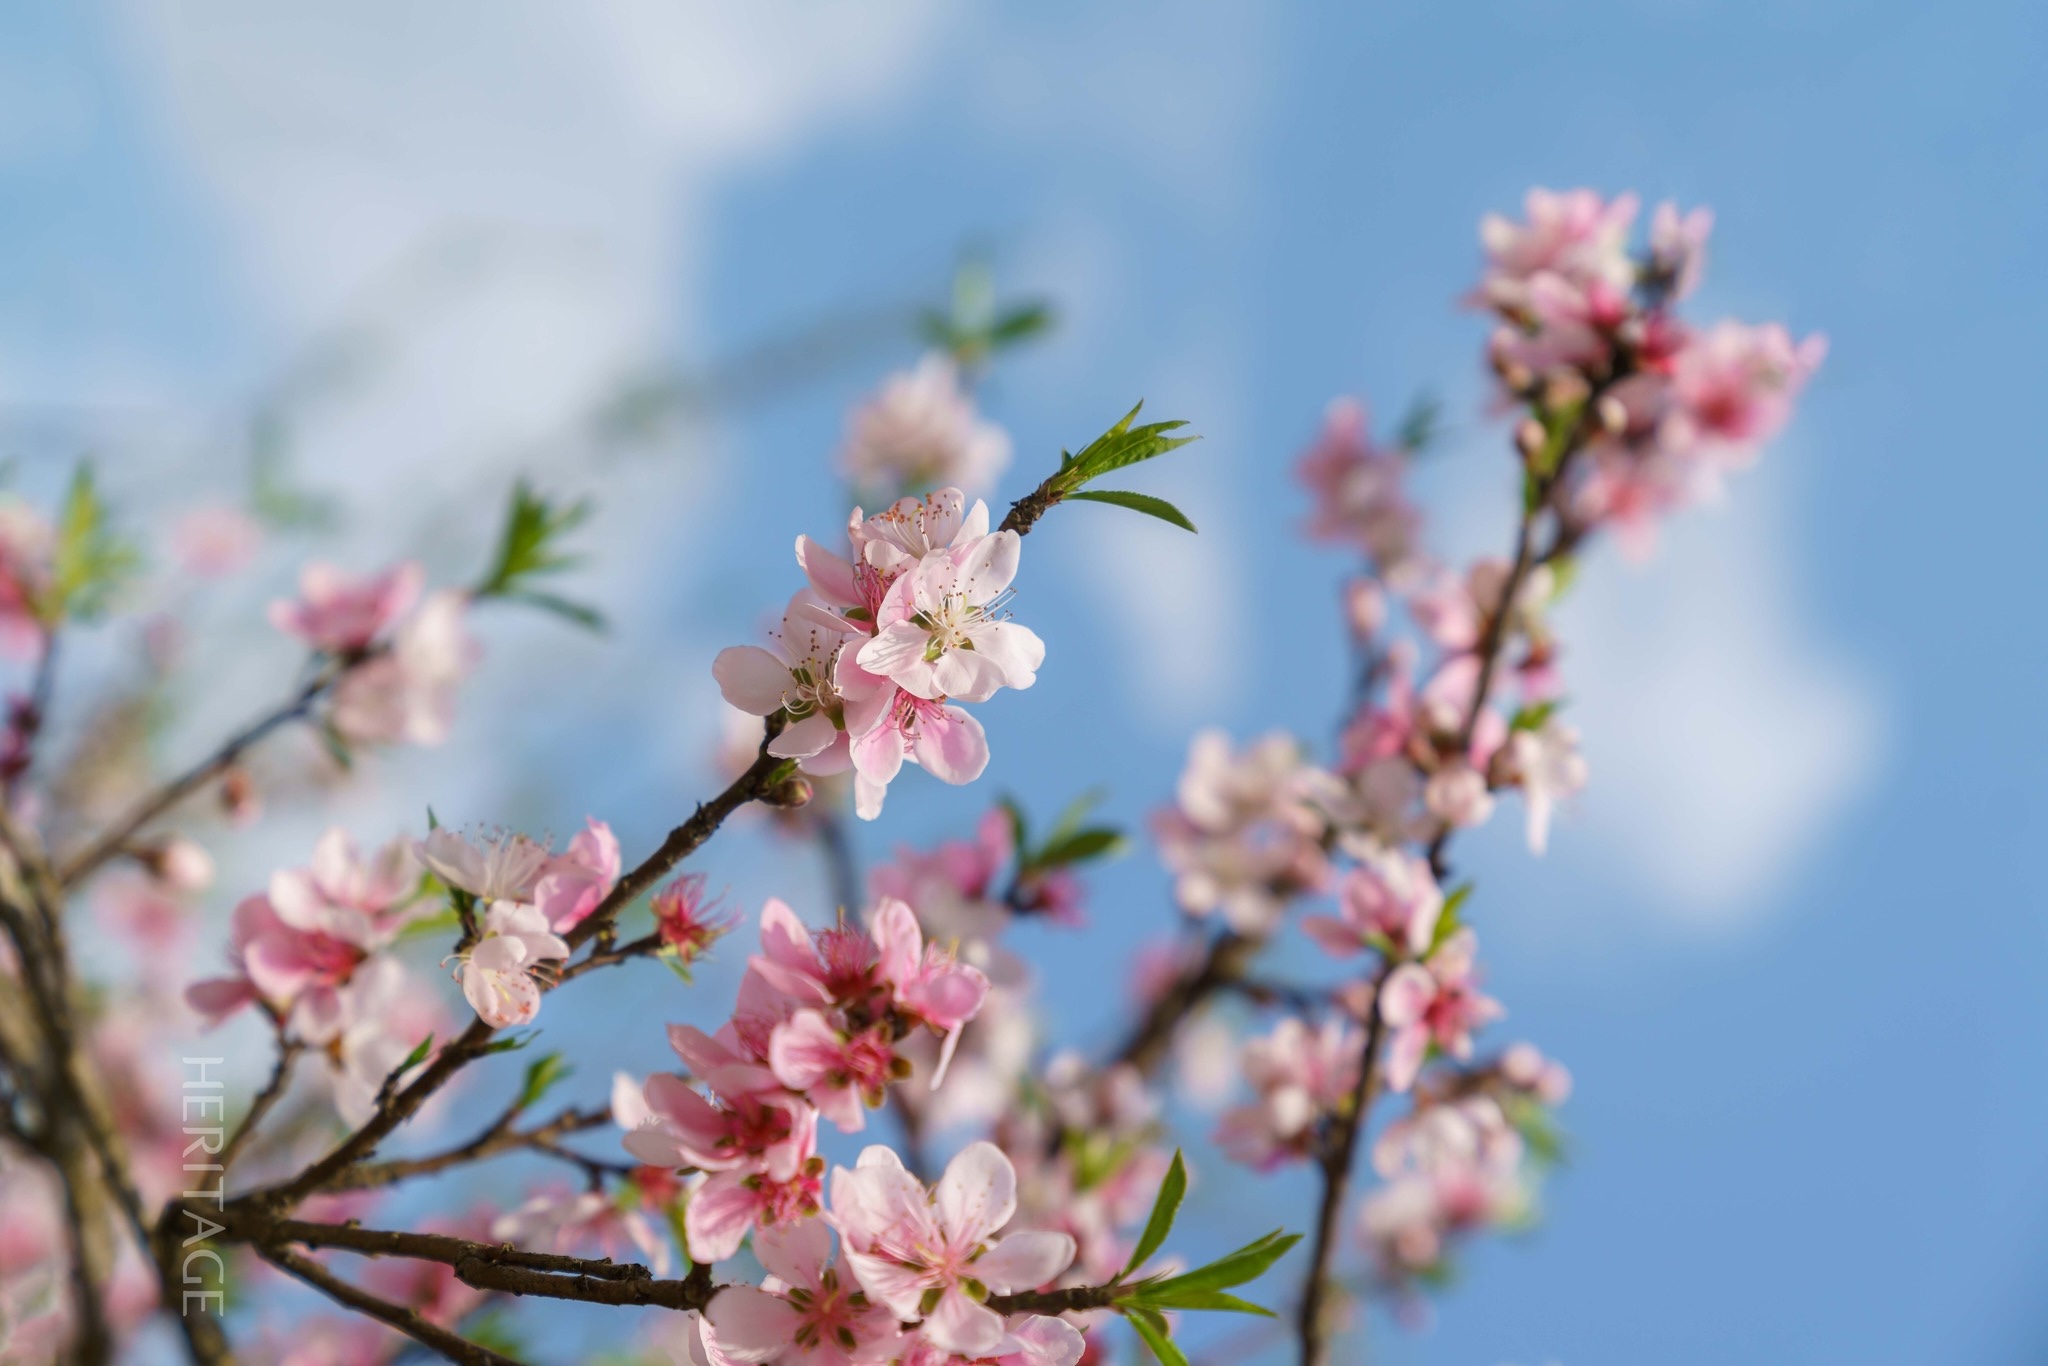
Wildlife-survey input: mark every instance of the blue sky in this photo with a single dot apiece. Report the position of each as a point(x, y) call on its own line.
point(1789, 942)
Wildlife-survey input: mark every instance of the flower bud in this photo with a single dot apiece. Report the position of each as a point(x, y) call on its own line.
point(180, 864)
point(789, 794)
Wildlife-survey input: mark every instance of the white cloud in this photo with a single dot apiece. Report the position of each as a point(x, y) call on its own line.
point(1726, 737)
point(504, 202)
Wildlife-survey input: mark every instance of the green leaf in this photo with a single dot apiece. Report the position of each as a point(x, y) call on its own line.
point(1020, 324)
point(1151, 1328)
point(1533, 716)
point(542, 1073)
point(431, 926)
point(1171, 1191)
point(511, 1043)
point(1137, 502)
point(1420, 424)
point(1124, 445)
point(1212, 1300)
point(1019, 831)
point(337, 748)
point(1448, 920)
point(90, 561)
point(417, 1056)
point(1248, 1263)
point(530, 545)
point(1095, 842)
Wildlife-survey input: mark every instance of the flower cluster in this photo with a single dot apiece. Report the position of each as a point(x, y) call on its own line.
point(1246, 835)
point(874, 655)
point(919, 1265)
point(815, 1033)
point(398, 689)
point(529, 898)
point(1588, 328)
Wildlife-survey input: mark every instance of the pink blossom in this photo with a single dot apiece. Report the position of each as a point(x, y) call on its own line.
point(806, 1314)
point(498, 975)
point(1357, 493)
point(1028, 1340)
point(1457, 795)
point(216, 540)
point(915, 1251)
point(340, 614)
point(407, 694)
point(952, 888)
point(943, 632)
point(1523, 1067)
point(573, 883)
point(843, 1074)
point(889, 726)
point(1469, 1132)
point(27, 544)
point(384, 1015)
point(1678, 249)
point(685, 920)
point(797, 674)
point(500, 867)
point(1301, 1076)
point(926, 982)
point(1246, 835)
point(1734, 385)
point(1546, 764)
point(384, 888)
point(1574, 234)
point(754, 1126)
point(1407, 1222)
point(921, 429)
point(583, 1223)
point(730, 1205)
point(1434, 1002)
point(293, 957)
point(1389, 901)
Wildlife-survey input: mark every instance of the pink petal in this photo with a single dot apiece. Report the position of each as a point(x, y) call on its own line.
point(1025, 1261)
point(977, 1195)
point(952, 747)
point(751, 679)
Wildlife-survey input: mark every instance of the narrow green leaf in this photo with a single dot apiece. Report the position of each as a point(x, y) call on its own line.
point(417, 1056)
point(1137, 502)
point(1449, 920)
point(1123, 445)
point(541, 1074)
point(1533, 716)
point(510, 1044)
point(1151, 1328)
point(1171, 1191)
point(1095, 842)
point(1212, 1300)
point(1248, 1263)
point(430, 927)
point(1420, 424)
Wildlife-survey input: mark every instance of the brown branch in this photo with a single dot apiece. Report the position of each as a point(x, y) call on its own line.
point(1228, 956)
point(116, 837)
point(451, 1345)
point(499, 1138)
point(1340, 1150)
point(273, 1090)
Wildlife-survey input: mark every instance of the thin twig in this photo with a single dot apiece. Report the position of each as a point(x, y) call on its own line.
point(451, 1345)
point(111, 841)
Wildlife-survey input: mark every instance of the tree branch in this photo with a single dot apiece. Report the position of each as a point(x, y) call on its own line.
point(451, 1345)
